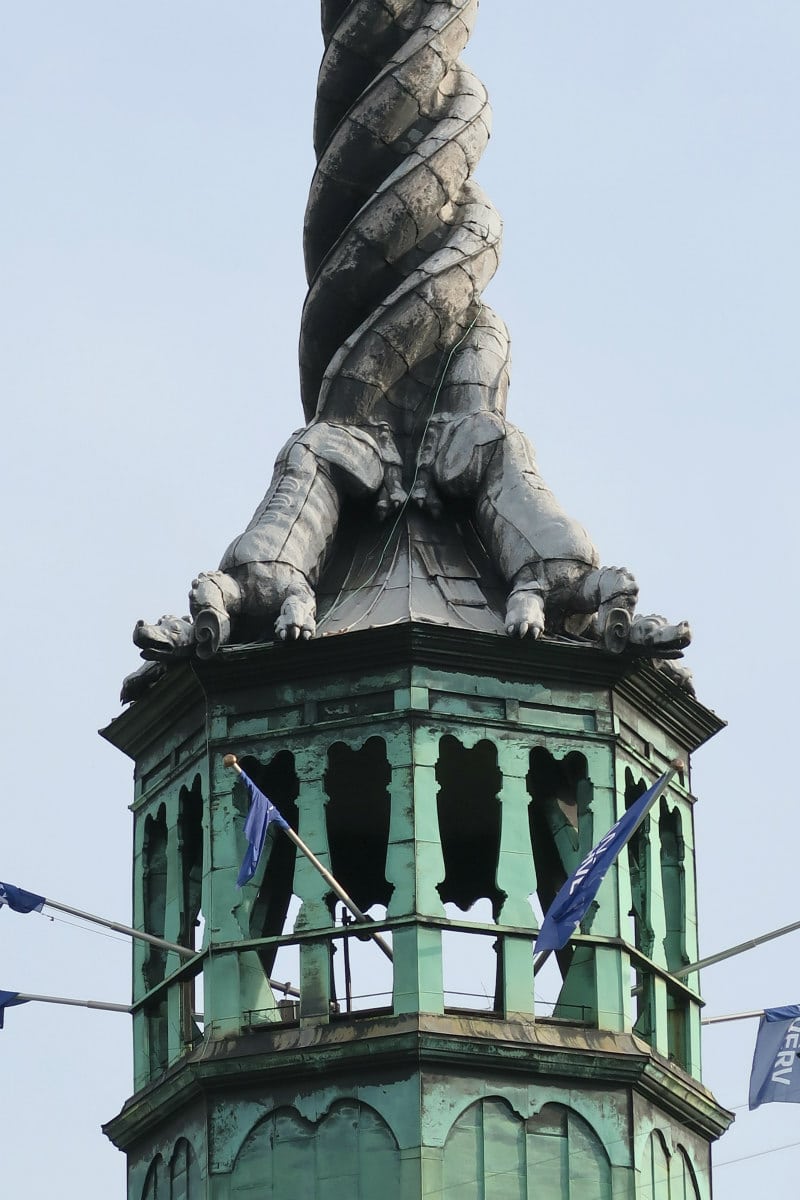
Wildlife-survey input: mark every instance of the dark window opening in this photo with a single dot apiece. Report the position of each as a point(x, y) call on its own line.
point(469, 823)
point(190, 854)
point(639, 868)
point(673, 889)
point(673, 886)
point(157, 1043)
point(278, 780)
point(190, 849)
point(560, 823)
point(357, 817)
point(154, 879)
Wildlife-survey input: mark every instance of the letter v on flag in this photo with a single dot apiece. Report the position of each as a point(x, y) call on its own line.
point(572, 902)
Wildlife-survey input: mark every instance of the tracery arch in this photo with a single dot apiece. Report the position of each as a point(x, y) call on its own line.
point(285, 1156)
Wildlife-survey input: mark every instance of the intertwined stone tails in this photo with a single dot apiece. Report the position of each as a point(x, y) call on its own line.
point(404, 371)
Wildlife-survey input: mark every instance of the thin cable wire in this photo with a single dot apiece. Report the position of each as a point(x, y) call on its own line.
point(86, 928)
point(758, 1154)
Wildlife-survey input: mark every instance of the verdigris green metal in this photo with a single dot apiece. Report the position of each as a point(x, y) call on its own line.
point(419, 1098)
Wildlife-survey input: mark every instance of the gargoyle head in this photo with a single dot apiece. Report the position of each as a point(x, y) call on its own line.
point(170, 637)
point(654, 635)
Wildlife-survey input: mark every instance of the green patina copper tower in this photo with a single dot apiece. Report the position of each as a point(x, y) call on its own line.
point(451, 709)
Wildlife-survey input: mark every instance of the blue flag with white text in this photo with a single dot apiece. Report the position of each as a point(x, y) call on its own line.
point(775, 1075)
point(19, 900)
point(262, 814)
point(8, 1000)
point(573, 899)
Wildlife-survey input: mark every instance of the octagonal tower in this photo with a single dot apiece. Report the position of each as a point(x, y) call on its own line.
point(451, 707)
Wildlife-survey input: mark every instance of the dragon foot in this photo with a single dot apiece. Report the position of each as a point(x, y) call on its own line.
point(525, 612)
point(297, 616)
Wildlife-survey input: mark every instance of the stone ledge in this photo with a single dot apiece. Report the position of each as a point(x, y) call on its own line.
point(387, 650)
point(542, 1051)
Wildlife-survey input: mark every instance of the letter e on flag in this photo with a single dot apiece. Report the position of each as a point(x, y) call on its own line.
point(775, 1075)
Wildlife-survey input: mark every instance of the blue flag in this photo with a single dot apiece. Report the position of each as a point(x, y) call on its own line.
point(20, 901)
point(572, 902)
point(776, 1066)
point(8, 1000)
point(262, 814)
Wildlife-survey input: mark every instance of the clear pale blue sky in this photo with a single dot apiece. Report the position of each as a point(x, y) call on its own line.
point(156, 160)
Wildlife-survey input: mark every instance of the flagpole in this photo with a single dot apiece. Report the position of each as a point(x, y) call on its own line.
point(734, 950)
point(123, 1008)
point(743, 1016)
point(540, 960)
point(160, 943)
point(230, 761)
point(659, 788)
point(286, 988)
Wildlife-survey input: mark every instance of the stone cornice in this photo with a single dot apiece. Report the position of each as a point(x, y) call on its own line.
point(390, 649)
point(545, 1052)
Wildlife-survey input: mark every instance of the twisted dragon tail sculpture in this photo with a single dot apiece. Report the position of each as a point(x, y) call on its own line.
point(399, 239)
point(404, 371)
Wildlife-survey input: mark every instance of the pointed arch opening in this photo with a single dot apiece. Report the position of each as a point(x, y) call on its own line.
point(275, 905)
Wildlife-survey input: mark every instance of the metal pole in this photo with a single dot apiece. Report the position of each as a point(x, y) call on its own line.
point(734, 950)
point(746, 1016)
point(540, 960)
point(230, 761)
point(286, 988)
point(183, 951)
point(348, 981)
point(123, 1008)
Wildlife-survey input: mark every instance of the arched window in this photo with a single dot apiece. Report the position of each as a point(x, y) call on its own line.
point(184, 1173)
point(566, 1156)
point(491, 1152)
point(655, 1169)
point(155, 1185)
point(484, 1154)
point(350, 1152)
point(684, 1180)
